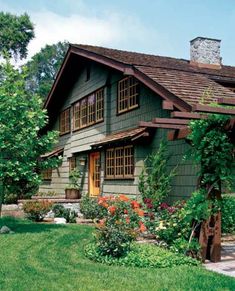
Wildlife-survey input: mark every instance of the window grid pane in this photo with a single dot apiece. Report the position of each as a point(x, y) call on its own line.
point(72, 164)
point(120, 162)
point(91, 109)
point(76, 115)
point(47, 174)
point(99, 105)
point(128, 161)
point(84, 112)
point(65, 121)
point(128, 91)
point(110, 163)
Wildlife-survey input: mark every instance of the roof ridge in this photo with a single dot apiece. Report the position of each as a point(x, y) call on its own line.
point(126, 51)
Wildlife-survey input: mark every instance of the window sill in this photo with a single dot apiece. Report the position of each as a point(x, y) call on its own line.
point(128, 110)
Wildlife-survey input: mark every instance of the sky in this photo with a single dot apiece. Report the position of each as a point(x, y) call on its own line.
point(160, 27)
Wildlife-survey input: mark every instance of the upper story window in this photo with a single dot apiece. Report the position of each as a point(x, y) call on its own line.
point(119, 162)
point(65, 121)
point(89, 110)
point(128, 94)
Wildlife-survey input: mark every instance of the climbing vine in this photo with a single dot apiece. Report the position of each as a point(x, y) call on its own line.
point(212, 149)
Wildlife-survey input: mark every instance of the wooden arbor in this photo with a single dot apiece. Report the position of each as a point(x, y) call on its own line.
point(210, 230)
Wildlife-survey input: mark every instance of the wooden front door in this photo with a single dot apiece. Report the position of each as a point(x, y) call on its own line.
point(94, 174)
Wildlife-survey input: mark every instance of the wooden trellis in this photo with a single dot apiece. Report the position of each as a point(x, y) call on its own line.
point(210, 230)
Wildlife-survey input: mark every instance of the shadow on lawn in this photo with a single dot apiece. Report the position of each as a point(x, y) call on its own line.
point(25, 226)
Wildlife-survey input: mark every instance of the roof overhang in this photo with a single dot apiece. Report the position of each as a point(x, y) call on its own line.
point(54, 153)
point(126, 69)
point(131, 135)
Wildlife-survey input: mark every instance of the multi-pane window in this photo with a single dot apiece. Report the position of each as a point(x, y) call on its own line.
point(47, 174)
point(72, 163)
point(128, 94)
point(119, 162)
point(89, 110)
point(83, 112)
point(65, 121)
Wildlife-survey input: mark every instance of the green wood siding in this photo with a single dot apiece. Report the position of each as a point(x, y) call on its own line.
point(80, 142)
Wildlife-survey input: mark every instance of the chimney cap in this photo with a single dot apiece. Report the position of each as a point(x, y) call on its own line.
point(204, 38)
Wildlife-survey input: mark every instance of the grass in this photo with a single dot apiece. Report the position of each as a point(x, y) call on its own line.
point(51, 257)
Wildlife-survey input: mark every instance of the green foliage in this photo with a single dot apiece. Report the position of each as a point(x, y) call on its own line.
point(91, 209)
point(176, 227)
point(212, 149)
point(119, 228)
point(43, 68)
point(21, 119)
point(10, 198)
point(143, 256)
point(36, 210)
point(74, 178)
point(15, 34)
point(60, 211)
point(228, 214)
point(154, 181)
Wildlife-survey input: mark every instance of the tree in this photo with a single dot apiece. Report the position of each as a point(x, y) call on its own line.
point(21, 142)
point(15, 35)
point(44, 66)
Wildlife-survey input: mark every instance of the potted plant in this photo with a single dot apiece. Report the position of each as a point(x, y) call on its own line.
point(72, 191)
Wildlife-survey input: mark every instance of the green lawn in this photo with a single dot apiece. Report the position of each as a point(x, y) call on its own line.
point(50, 257)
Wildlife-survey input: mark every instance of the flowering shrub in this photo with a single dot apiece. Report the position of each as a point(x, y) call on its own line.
point(178, 224)
point(36, 210)
point(121, 225)
point(91, 209)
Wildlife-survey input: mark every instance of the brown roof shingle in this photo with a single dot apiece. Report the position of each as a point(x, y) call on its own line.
point(193, 88)
point(122, 135)
point(142, 59)
point(189, 83)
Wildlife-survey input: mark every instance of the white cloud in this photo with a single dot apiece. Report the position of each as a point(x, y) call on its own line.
point(110, 30)
point(123, 31)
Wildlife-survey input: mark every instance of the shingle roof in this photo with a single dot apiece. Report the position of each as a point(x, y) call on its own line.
point(191, 87)
point(142, 59)
point(189, 83)
point(129, 134)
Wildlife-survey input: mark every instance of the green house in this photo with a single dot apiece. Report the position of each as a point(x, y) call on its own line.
point(106, 104)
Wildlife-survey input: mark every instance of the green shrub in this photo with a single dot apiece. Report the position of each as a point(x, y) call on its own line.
point(90, 208)
point(10, 198)
point(228, 214)
point(178, 223)
point(60, 211)
point(143, 256)
point(120, 226)
point(37, 210)
point(154, 180)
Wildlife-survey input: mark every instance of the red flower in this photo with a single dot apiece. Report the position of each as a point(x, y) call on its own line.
point(128, 220)
point(140, 212)
point(123, 198)
point(149, 205)
point(112, 209)
point(135, 204)
point(125, 211)
point(142, 227)
point(147, 200)
point(164, 205)
point(102, 223)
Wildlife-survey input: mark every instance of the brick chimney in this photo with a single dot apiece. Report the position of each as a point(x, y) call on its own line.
point(205, 53)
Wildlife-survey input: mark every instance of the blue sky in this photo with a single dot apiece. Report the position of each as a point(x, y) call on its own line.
point(162, 27)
